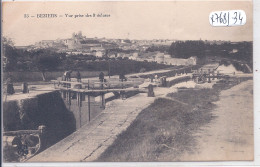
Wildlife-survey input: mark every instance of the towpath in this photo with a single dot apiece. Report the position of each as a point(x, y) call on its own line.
point(92, 139)
point(230, 135)
point(87, 143)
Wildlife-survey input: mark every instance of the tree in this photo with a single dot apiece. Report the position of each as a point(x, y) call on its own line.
point(186, 49)
point(142, 70)
point(10, 55)
point(46, 60)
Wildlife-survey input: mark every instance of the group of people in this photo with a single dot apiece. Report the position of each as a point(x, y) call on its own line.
point(67, 76)
point(153, 78)
point(102, 77)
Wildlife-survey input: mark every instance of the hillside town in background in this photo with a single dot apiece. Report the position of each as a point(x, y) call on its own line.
point(79, 44)
point(118, 55)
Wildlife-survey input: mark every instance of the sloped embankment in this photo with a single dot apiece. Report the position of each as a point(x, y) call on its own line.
point(165, 130)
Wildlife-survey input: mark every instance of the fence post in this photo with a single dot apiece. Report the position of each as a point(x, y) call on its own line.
point(102, 100)
point(88, 104)
point(209, 80)
point(213, 74)
point(25, 87)
point(10, 89)
point(79, 104)
point(150, 91)
point(63, 94)
point(88, 108)
point(69, 98)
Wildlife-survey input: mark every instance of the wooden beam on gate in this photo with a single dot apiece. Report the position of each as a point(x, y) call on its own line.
point(105, 90)
point(96, 82)
point(20, 132)
point(69, 82)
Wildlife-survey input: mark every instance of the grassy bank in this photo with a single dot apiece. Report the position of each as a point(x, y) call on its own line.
point(165, 130)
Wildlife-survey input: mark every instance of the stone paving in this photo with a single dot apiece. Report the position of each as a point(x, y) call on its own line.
point(94, 138)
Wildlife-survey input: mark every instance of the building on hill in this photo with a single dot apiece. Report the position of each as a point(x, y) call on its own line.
point(152, 57)
point(45, 44)
point(97, 47)
point(162, 58)
point(99, 53)
point(134, 56)
point(77, 42)
point(180, 62)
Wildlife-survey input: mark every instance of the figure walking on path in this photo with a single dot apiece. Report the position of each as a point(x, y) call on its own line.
point(122, 77)
point(10, 87)
point(64, 78)
point(101, 79)
point(101, 76)
point(156, 78)
point(67, 75)
point(78, 76)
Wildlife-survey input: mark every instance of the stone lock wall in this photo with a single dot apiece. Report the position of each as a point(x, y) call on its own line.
point(46, 109)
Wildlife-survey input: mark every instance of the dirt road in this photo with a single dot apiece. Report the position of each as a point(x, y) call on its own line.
point(230, 135)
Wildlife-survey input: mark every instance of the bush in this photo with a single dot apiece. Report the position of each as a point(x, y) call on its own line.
point(142, 70)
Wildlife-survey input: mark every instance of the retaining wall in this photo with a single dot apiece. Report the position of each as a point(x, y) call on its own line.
point(45, 109)
point(172, 72)
point(37, 76)
point(178, 80)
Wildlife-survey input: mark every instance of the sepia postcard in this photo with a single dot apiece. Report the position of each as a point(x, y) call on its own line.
point(127, 81)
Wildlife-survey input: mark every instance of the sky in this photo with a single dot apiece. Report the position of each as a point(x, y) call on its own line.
point(179, 20)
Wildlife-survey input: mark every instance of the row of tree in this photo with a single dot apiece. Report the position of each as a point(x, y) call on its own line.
point(235, 50)
point(242, 51)
point(22, 60)
point(50, 60)
point(44, 60)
